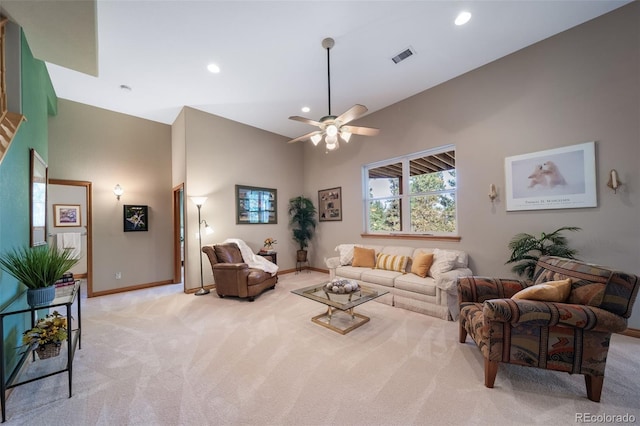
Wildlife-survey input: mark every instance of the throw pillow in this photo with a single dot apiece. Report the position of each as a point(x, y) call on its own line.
point(391, 262)
point(346, 253)
point(364, 257)
point(421, 264)
point(551, 291)
point(443, 261)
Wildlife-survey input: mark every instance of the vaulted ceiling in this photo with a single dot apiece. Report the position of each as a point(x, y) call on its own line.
point(149, 58)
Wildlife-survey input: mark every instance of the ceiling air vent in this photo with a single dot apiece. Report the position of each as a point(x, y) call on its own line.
point(403, 55)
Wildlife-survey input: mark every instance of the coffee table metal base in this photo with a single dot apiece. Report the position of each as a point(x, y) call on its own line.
point(346, 319)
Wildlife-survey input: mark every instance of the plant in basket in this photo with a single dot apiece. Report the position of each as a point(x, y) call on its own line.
point(48, 334)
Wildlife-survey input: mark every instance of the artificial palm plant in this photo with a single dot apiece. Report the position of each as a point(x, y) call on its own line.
point(526, 249)
point(37, 267)
point(302, 218)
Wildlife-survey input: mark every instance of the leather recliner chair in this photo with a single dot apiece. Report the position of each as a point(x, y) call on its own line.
point(233, 276)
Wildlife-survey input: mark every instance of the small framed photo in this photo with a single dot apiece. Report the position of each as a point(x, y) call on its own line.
point(136, 218)
point(330, 204)
point(66, 215)
point(561, 178)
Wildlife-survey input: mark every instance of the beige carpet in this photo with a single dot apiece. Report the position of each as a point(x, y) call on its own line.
point(162, 357)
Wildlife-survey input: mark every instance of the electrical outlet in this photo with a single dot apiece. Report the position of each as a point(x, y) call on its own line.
point(118, 275)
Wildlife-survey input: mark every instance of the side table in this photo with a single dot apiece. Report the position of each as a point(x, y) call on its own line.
point(272, 256)
point(66, 296)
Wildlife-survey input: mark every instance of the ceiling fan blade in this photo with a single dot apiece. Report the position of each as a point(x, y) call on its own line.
point(363, 131)
point(303, 137)
point(305, 120)
point(352, 113)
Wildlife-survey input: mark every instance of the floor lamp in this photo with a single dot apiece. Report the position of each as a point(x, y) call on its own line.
point(199, 201)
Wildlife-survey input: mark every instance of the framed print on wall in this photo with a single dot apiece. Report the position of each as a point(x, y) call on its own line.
point(136, 218)
point(330, 204)
point(561, 178)
point(66, 215)
point(256, 205)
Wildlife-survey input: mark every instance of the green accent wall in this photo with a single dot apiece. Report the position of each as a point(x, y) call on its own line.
point(38, 102)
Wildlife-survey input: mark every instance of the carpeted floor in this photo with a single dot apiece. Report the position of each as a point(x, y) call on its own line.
point(162, 357)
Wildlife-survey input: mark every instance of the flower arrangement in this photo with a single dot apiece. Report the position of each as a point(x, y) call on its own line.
point(269, 242)
point(50, 329)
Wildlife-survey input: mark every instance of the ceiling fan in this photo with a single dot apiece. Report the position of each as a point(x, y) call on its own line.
point(333, 128)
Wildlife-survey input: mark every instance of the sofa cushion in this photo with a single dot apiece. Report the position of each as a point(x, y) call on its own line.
point(349, 271)
point(421, 264)
point(392, 262)
point(379, 276)
point(364, 257)
point(551, 291)
point(415, 284)
point(443, 261)
point(346, 253)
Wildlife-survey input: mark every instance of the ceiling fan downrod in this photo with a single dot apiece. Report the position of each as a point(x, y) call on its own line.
point(328, 43)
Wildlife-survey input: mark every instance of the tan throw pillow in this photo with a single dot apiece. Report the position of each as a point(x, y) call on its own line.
point(421, 264)
point(391, 262)
point(551, 291)
point(364, 257)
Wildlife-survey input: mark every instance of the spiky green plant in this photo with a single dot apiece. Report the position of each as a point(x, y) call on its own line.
point(302, 217)
point(37, 267)
point(526, 249)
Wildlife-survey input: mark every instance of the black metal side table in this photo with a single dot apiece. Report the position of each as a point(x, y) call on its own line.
point(25, 370)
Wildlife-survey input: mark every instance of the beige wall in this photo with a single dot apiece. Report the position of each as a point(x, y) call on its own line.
point(106, 148)
point(582, 85)
point(220, 154)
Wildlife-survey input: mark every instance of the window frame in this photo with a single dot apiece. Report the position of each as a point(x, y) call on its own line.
point(406, 196)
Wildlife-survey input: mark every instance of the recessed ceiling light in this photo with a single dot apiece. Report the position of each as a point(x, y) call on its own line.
point(306, 109)
point(462, 18)
point(213, 68)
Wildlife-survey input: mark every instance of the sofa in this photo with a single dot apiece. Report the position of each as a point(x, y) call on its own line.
point(234, 276)
point(562, 320)
point(433, 294)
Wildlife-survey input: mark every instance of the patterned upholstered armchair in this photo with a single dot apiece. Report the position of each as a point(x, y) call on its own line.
point(572, 337)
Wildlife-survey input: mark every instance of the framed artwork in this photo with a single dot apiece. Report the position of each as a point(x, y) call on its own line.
point(256, 205)
point(561, 178)
point(330, 204)
point(136, 218)
point(66, 215)
point(37, 199)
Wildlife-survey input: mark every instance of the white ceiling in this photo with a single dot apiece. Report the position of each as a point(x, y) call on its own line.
point(271, 56)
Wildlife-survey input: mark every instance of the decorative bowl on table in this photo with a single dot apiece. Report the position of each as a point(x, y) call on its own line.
point(341, 286)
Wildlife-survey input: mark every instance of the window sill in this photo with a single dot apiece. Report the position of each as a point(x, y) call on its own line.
point(413, 237)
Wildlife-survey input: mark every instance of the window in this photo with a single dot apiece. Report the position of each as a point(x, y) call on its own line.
point(423, 203)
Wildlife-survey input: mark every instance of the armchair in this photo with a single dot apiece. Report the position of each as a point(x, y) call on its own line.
point(572, 337)
point(233, 276)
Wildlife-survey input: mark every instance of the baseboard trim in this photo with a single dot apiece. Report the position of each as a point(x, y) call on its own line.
point(131, 288)
point(632, 332)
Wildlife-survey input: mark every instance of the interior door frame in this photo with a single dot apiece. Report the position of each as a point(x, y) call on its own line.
point(177, 249)
point(89, 201)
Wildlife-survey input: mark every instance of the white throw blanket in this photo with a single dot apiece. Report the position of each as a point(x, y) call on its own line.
point(252, 259)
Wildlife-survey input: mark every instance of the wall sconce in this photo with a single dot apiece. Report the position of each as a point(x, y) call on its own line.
point(614, 183)
point(118, 191)
point(493, 192)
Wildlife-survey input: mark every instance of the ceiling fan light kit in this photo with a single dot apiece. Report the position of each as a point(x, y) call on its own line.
point(334, 128)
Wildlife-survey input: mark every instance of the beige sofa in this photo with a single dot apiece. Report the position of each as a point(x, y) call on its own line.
point(435, 295)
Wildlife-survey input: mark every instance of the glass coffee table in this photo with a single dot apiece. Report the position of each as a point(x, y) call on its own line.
point(339, 316)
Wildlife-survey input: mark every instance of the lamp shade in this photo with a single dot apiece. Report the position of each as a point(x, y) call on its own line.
point(198, 201)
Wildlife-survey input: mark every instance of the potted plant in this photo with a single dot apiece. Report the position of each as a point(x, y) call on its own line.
point(37, 268)
point(48, 334)
point(302, 218)
point(526, 249)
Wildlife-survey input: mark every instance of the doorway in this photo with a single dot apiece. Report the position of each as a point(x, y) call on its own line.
point(76, 192)
point(178, 235)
